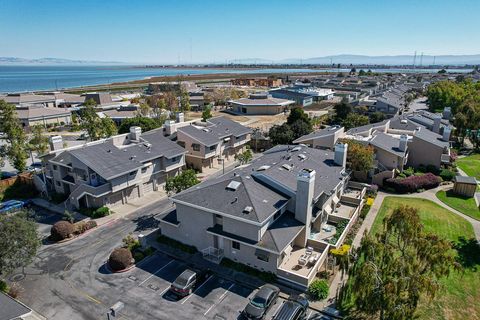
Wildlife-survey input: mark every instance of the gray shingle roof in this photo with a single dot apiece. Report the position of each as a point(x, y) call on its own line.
point(465, 179)
point(319, 134)
point(206, 138)
point(431, 137)
point(388, 143)
point(11, 308)
point(367, 127)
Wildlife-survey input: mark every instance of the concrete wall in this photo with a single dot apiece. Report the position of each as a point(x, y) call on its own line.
point(244, 229)
point(246, 255)
point(422, 152)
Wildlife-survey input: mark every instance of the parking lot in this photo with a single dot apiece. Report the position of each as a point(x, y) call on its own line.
point(215, 298)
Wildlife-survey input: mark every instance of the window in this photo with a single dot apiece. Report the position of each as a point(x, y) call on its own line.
point(181, 143)
point(262, 255)
point(133, 173)
point(195, 147)
point(277, 215)
point(213, 148)
point(55, 167)
point(235, 245)
point(144, 170)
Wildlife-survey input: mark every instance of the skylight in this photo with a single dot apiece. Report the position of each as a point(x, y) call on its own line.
point(248, 209)
point(233, 185)
point(287, 167)
point(297, 149)
point(263, 168)
point(302, 156)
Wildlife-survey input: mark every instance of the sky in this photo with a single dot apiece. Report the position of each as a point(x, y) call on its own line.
point(192, 31)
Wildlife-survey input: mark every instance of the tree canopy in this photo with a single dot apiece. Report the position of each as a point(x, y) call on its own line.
point(19, 241)
point(16, 148)
point(355, 120)
point(207, 113)
point(145, 123)
point(397, 267)
point(359, 156)
point(96, 127)
point(342, 110)
point(186, 179)
point(298, 124)
point(281, 134)
point(39, 141)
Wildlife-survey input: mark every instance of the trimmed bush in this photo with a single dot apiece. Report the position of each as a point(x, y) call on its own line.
point(61, 230)
point(318, 289)
point(447, 175)
point(413, 183)
point(4, 286)
point(101, 212)
point(138, 256)
point(372, 190)
point(83, 226)
point(120, 259)
point(263, 275)
point(176, 244)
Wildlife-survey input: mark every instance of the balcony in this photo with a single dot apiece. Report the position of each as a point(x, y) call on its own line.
point(212, 254)
point(302, 264)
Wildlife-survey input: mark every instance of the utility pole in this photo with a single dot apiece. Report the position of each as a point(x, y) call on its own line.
point(421, 59)
point(414, 59)
point(434, 60)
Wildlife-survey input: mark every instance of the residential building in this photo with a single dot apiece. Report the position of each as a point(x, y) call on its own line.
point(12, 309)
point(261, 82)
point(29, 100)
point(301, 99)
point(45, 116)
point(112, 171)
point(322, 139)
point(218, 138)
point(281, 213)
point(261, 104)
point(465, 186)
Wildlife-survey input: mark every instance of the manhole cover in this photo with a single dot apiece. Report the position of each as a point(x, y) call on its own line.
point(17, 277)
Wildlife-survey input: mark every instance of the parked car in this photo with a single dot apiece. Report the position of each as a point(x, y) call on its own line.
point(261, 302)
point(188, 281)
point(294, 308)
point(12, 205)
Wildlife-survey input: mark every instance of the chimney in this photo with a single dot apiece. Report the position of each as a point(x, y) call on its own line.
point(56, 143)
point(436, 124)
point(340, 157)
point(303, 201)
point(180, 117)
point(403, 143)
point(135, 133)
point(170, 127)
point(446, 134)
point(447, 113)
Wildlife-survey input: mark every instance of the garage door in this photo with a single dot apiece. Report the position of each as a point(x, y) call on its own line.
point(148, 187)
point(115, 199)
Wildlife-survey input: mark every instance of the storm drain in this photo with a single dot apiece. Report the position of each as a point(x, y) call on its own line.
point(17, 277)
point(153, 287)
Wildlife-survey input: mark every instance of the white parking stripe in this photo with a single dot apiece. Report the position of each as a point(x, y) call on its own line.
point(278, 308)
point(309, 314)
point(220, 299)
point(163, 292)
point(197, 289)
point(155, 273)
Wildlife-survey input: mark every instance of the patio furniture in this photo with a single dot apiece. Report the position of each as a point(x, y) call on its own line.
point(302, 261)
point(313, 259)
point(308, 251)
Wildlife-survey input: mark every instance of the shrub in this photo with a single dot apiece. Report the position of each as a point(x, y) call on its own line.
point(15, 290)
point(83, 226)
point(138, 256)
point(130, 243)
point(413, 183)
point(365, 210)
point(149, 251)
point(101, 212)
point(409, 171)
point(447, 175)
point(120, 259)
point(318, 289)
point(91, 224)
point(432, 169)
point(372, 190)
point(61, 230)
point(4, 286)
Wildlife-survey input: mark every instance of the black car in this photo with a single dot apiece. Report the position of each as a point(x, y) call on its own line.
point(188, 281)
point(261, 302)
point(294, 308)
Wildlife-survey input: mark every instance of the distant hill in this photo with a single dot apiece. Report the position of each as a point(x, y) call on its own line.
point(51, 61)
point(389, 60)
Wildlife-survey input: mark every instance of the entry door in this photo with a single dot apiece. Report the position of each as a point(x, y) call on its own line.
point(217, 242)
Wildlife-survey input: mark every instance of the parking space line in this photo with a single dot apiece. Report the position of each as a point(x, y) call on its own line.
point(277, 309)
point(163, 292)
point(219, 299)
point(197, 289)
point(155, 273)
point(309, 314)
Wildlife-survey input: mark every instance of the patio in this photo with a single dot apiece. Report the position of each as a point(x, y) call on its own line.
point(344, 210)
point(301, 262)
point(325, 233)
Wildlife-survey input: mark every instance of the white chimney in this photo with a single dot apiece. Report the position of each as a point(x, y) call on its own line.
point(135, 133)
point(180, 117)
point(402, 146)
point(446, 134)
point(340, 157)
point(436, 124)
point(170, 127)
point(56, 143)
point(303, 201)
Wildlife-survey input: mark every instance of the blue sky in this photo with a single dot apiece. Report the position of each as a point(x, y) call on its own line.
point(213, 31)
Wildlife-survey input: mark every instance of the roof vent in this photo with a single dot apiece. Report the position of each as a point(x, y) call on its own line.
point(296, 149)
point(233, 185)
point(302, 156)
point(247, 209)
point(206, 130)
point(287, 167)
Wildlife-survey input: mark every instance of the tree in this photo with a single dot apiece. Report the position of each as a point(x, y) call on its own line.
point(207, 113)
point(359, 156)
point(16, 148)
point(95, 126)
point(244, 157)
point(183, 181)
point(146, 124)
point(318, 289)
point(144, 110)
point(377, 117)
point(355, 120)
point(281, 134)
point(300, 128)
point(39, 142)
point(297, 114)
point(445, 94)
point(171, 101)
point(109, 128)
point(467, 117)
point(342, 110)
point(184, 101)
point(19, 241)
point(397, 267)
point(362, 73)
point(443, 71)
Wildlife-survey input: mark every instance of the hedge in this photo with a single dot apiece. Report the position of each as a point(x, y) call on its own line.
point(176, 244)
point(120, 259)
point(447, 175)
point(318, 289)
point(61, 230)
point(413, 183)
point(263, 275)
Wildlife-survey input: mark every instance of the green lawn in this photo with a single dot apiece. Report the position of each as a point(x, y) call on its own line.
point(467, 206)
point(470, 165)
point(460, 294)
